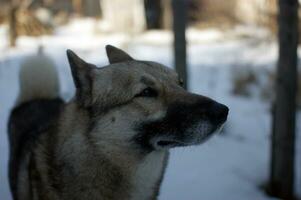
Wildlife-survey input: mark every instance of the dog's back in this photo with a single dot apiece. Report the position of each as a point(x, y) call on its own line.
point(36, 111)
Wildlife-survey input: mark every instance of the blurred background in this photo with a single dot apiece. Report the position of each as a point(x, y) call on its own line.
point(227, 50)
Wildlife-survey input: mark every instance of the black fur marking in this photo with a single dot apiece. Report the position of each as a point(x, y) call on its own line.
point(34, 175)
point(26, 123)
point(180, 116)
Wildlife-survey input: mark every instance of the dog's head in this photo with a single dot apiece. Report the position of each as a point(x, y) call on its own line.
point(141, 104)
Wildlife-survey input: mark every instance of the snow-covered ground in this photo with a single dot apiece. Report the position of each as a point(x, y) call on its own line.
point(232, 165)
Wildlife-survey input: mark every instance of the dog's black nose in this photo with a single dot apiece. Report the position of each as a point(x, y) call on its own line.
point(218, 113)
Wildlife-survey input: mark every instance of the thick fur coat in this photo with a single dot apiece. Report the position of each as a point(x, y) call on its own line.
point(111, 140)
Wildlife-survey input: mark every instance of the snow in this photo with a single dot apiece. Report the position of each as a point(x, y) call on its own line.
point(232, 165)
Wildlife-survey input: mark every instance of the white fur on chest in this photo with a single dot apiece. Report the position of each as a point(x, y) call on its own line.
point(147, 176)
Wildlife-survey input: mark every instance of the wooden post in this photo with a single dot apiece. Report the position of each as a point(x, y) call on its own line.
point(179, 27)
point(77, 7)
point(166, 15)
point(283, 138)
point(13, 23)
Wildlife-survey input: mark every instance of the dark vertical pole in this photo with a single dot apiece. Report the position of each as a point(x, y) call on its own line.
point(153, 12)
point(179, 27)
point(283, 139)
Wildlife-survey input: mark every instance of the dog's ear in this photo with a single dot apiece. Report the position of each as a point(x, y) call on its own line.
point(116, 55)
point(82, 77)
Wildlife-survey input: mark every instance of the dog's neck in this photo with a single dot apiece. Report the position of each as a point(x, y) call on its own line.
point(106, 173)
point(147, 179)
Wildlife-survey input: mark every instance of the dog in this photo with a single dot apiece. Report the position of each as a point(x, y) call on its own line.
point(112, 140)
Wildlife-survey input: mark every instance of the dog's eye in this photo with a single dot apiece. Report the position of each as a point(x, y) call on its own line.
point(147, 92)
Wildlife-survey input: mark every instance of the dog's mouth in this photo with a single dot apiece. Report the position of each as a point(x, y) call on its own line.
point(167, 143)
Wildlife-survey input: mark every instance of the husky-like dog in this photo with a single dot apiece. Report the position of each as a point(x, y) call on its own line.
point(111, 140)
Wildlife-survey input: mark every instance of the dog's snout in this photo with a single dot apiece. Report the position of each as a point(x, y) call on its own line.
point(218, 113)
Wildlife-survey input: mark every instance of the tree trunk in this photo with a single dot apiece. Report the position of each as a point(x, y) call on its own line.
point(166, 16)
point(91, 8)
point(179, 27)
point(124, 15)
point(283, 138)
point(153, 14)
point(77, 7)
point(13, 23)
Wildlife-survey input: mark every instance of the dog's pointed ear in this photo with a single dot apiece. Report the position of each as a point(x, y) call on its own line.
point(116, 55)
point(82, 77)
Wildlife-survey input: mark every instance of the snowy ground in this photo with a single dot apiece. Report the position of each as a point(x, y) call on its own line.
point(232, 165)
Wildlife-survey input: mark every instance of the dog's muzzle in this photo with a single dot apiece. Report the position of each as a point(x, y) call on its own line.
point(185, 123)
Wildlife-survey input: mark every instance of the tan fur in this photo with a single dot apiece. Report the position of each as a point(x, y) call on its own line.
point(137, 176)
point(93, 150)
